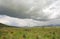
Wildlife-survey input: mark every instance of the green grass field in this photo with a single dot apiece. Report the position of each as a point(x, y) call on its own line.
point(29, 33)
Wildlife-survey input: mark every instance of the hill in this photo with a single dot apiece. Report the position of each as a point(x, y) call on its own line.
point(3, 25)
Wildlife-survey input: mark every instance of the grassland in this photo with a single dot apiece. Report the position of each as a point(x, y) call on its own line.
point(29, 33)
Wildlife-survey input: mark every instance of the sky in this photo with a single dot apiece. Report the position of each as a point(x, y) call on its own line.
point(30, 12)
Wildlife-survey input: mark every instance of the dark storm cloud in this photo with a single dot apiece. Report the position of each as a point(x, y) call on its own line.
point(13, 13)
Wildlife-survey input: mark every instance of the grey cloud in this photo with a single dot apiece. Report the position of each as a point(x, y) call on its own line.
point(22, 9)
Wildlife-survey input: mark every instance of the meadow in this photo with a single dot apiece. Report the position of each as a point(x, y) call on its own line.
point(29, 33)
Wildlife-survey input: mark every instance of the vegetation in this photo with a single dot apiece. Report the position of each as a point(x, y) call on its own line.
point(29, 33)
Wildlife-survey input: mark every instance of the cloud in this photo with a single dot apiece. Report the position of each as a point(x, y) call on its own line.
point(25, 8)
point(53, 10)
point(55, 22)
point(20, 22)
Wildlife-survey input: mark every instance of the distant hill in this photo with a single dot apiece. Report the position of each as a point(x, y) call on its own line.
point(3, 25)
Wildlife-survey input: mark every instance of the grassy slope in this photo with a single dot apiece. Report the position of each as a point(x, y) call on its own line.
point(29, 33)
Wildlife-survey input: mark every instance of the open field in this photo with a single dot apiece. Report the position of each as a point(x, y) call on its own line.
point(30, 33)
